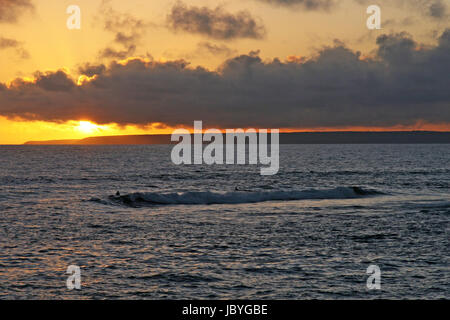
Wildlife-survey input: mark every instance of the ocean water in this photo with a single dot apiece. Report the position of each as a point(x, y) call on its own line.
point(223, 232)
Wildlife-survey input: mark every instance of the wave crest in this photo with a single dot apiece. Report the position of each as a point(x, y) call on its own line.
point(208, 197)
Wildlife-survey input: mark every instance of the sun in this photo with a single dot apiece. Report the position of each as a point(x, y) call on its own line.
point(87, 127)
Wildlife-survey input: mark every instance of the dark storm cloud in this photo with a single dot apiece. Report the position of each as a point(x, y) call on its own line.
point(403, 84)
point(54, 81)
point(10, 10)
point(214, 23)
point(6, 43)
point(303, 4)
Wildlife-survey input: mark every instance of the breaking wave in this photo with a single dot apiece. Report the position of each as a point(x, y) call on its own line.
point(208, 197)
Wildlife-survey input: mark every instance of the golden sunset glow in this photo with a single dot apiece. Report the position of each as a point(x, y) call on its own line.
point(37, 43)
point(41, 130)
point(89, 127)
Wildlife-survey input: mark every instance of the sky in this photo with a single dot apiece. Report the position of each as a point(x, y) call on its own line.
point(142, 66)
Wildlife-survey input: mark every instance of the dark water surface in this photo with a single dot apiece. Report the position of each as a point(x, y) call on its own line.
point(225, 231)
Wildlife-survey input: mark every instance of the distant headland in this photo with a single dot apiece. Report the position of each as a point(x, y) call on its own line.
point(346, 137)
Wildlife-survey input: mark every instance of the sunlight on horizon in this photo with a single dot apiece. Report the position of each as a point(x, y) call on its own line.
point(89, 127)
point(26, 130)
point(78, 129)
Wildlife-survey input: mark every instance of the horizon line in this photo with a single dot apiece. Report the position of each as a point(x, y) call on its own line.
point(166, 135)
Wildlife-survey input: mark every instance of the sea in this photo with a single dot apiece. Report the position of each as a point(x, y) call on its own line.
point(140, 227)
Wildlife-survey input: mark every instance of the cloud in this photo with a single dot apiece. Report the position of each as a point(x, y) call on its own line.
point(10, 10)
point(117, 54)
point(214, 23)
point(214, 49)
point(6, 43)
point(127, 29)
point(54, 81)
point(438, 9)
point(303, 4)
point(403, 84)
point(91, 69)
